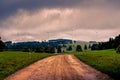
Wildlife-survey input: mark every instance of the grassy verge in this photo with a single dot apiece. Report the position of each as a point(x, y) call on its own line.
point(13, 61)
point(107, 61)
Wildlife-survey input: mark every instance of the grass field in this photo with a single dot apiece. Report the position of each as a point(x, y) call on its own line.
point(107, 61)
point(13, 61)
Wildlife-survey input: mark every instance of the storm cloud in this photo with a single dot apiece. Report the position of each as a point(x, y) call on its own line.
point(23, 20)
point(8, 8)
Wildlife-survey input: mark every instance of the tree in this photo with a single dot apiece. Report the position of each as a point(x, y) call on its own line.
point(2, 45)
point(39, 49)
point(85, 47)
point(117, 41)
point(69, 48)
point(59, 49)
point(26, 49)
point(112, 43)
point(64, 45)
point(94, 47)
point(52, 49)
point(89, 46)
point(78, 48)
point(47, 49)
point(118, 49)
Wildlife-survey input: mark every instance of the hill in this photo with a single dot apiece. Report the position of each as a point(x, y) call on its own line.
point(65, 43)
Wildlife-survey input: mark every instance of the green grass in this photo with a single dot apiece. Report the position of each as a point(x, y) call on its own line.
point(10, 62)
point(107, 61)
point(82, 44)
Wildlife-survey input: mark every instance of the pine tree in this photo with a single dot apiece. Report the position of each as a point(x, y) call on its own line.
point(118, 49)
point(39, 49)
point(59, 49)
point(52, 49)
point(85, 48)
point(78, 48)
point(69, 48)
point(2, 45)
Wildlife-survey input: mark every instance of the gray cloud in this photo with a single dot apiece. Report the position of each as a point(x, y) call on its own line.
point(77, 19)
point(61, 23)
point(8, 8)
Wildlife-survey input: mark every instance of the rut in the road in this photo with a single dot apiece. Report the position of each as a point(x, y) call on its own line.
point(60, 67)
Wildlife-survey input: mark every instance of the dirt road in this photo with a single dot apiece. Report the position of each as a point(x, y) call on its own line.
point(60, 67)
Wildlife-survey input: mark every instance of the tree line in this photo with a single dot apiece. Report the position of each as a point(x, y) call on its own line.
point(53, 46)
point(113, 43)
point(42, 47)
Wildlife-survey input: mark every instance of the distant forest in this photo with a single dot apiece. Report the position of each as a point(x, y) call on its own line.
point(113, 43)
point(35, 45)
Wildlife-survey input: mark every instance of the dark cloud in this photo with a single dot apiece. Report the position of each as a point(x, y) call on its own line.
point(114, 1)
point(34, 19)
point(10, 7)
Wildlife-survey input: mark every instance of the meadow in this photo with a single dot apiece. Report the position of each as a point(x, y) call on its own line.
point(11, 61)
point(107, 61)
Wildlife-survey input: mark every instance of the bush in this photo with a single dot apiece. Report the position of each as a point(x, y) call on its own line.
point(118, 49)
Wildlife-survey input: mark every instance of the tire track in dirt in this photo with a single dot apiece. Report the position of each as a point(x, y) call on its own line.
point(59, 67)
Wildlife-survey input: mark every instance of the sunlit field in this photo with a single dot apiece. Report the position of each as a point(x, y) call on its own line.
point(13, 61)
point(107, 61)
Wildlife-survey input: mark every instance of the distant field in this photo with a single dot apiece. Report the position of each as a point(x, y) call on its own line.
point(13, 61)
point(106, 61)
point(74, 45)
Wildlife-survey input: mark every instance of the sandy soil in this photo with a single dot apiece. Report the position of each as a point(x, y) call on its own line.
point(60, 67)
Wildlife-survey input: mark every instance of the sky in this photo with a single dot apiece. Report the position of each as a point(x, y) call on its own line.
point(38, 20)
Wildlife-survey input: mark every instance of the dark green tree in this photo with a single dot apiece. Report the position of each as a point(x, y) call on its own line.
point(47, 49)
point(78, 48)
point(94, 47)
point(26, 49)
point(117, 41)
point(85, 47)
point(118, 49)
point(59, 49)
point(89, 46)
point(2, 45)
point(52, 49)
point(69, 48)
point(64, 45)
point(39, 49)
